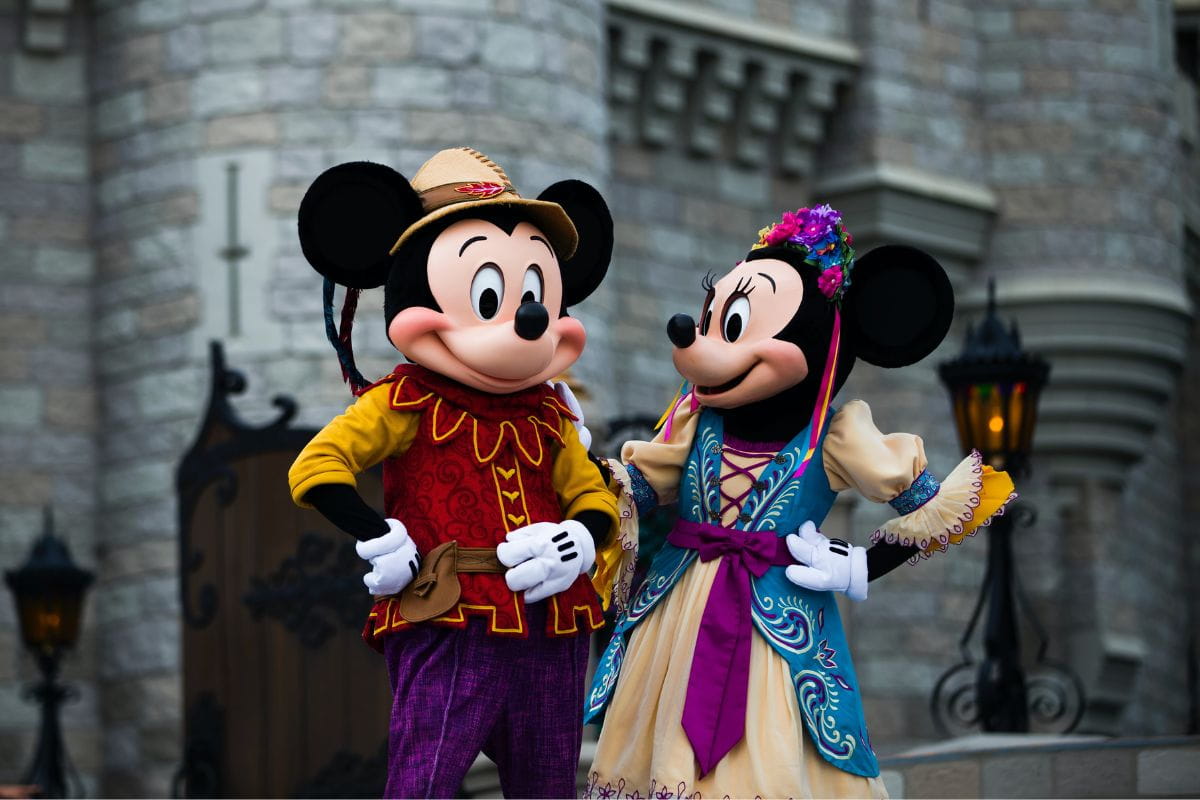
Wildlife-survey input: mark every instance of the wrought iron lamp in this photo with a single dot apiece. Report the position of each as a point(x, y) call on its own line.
point(994, 387)
point(49, 591)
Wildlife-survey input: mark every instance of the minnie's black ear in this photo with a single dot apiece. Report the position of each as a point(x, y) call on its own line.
point(584, 270)
point(349, 219)
point(898, 306)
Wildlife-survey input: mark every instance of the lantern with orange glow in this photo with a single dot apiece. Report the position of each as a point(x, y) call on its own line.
point(49, 591)
point(994, 388)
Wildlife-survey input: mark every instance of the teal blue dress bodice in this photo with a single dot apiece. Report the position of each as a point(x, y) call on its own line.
point(801, 625)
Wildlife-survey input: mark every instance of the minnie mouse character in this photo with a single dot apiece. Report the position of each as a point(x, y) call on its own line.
point(728, 672)
point(495, 515)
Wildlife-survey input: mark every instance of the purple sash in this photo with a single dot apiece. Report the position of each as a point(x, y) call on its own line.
point(714, 713)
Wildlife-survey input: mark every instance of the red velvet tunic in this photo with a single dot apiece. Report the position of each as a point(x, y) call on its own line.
point(479, 467)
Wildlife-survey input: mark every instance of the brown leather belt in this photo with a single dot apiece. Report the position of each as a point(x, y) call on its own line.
point(436, 589)
point(479, 559)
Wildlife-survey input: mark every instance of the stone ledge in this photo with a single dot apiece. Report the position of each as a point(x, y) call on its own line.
point(719, 87)
point(1012, 765)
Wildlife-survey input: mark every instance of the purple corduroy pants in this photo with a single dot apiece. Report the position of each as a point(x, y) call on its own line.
point(457, 692)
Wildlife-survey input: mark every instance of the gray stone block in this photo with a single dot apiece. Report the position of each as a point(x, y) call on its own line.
point(312, 36)
point(253, 38)
point(227, 92)
point(48, 79)
point(20, 407)
point(54, 161)
point(1169, 771)
point(1017, 776)
point(204, 9)
point(63, 265)
point(142, 648)
point(376, 36)
point(512, 48)
point(159, 14)
point(1100, 773)
point(449, 40)
point(186, 48)
point(136, 483)
point(120, 114)
point(411, 86)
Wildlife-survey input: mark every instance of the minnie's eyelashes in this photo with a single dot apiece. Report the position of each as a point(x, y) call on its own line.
point(706, 283)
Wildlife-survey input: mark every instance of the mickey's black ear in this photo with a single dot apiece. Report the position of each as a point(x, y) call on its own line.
point(898, 306)
point(584, 270)
point(349, 219)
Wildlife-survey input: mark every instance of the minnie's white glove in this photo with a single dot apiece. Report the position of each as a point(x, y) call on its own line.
point(832, 565)
point(546, 557)
point(394, 559)
point(568, 398)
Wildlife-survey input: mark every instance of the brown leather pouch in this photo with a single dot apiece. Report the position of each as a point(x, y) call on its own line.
point(436, 589)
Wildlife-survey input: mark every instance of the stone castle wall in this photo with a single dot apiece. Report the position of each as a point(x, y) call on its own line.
point(1038, 142)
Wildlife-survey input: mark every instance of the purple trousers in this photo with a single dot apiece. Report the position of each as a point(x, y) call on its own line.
point(459, 692)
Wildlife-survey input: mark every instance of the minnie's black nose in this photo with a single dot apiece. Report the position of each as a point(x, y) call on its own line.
point(531, 321)
point(681, 330)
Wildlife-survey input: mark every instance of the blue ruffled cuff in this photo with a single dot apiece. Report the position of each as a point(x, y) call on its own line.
point(644, 496)
point(922, 490)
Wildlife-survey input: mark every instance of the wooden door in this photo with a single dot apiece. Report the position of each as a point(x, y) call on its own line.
point(282, 697)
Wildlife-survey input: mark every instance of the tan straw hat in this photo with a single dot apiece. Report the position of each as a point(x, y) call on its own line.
point(461, 178)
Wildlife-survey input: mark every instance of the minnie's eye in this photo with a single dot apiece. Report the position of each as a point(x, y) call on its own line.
point(706, 322)
point(737, 317)
point(531, 287)
point(487, 291)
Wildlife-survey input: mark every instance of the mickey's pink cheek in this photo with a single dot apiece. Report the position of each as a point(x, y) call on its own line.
point(570, 334)
point(412, 323)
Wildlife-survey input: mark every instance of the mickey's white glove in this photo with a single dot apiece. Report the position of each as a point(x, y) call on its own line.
point(568, 397)
point(394, 559)
point(546, 557)
point(832, 565)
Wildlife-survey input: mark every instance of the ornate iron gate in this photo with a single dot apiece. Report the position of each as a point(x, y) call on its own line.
point(282, 698)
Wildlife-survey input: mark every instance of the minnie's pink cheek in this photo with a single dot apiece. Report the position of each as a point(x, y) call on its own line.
point(413, 323)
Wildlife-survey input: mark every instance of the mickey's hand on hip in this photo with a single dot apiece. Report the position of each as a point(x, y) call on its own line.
point(546, 557)
point(827, 565)
point(394, 559)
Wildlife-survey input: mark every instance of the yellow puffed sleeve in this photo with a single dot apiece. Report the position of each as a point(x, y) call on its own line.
point(661, 460)
point(366, 434)
point(580, 488)
point(858, 456)
point(883, 467)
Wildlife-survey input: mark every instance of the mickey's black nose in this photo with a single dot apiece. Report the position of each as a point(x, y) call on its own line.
point(681, 330)
point(531, 321)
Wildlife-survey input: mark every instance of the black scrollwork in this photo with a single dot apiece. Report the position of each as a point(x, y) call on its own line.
point(223, 439)
point(314, 592)
point(349, 775)
point(1048, 699)
point(200, 775)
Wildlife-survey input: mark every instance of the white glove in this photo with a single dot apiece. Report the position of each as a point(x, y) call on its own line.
point(394, 559)
point(568, 397)
point(832, 565)
point(546, 557)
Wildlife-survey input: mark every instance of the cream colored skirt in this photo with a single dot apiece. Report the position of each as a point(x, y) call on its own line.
point(643, 748)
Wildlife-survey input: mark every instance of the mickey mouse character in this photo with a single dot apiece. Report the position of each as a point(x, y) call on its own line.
point(728, 672)
point(495, 515)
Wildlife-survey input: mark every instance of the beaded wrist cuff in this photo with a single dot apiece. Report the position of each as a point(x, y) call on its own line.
point(922, 490)
point(644, 496)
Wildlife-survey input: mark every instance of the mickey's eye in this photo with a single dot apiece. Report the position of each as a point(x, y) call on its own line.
point(736, 318)
point(487, 291)
point(531, 287)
